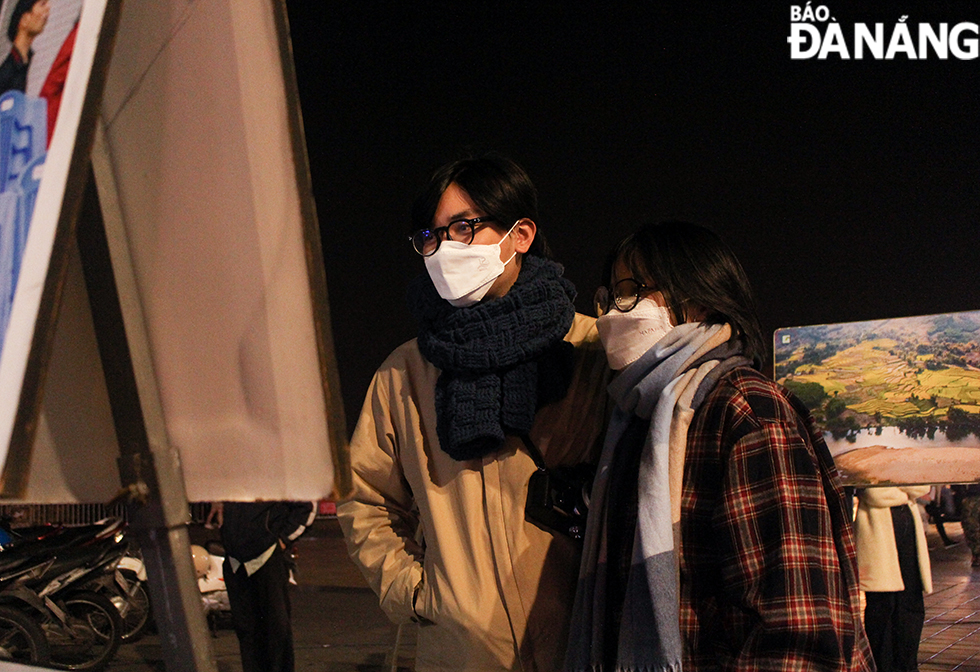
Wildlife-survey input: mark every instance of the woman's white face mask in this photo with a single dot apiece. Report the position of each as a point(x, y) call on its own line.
point(463, 274)
point(627, 336)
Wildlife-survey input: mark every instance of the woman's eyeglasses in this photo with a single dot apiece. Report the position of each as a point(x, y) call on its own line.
point(624, 295)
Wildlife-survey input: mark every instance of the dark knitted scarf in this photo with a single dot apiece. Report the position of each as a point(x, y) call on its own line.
point(501, 358)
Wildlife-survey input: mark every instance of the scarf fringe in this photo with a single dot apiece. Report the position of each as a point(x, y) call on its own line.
point(666, 667)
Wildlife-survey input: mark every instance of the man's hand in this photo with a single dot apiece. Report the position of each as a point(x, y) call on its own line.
point(216, 516)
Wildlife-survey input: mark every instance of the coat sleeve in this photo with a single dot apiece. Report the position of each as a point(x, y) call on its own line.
point(288, 520)
point(380, 519)
point(785, 573)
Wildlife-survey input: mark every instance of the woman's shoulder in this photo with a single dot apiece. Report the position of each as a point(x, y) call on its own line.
point(745, 403)
point(757, 396)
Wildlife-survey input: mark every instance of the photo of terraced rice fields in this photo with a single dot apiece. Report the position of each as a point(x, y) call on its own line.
point(898, 400)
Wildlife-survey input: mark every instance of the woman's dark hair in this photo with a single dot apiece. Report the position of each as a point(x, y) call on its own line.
point(497, 184)
point(694, 269)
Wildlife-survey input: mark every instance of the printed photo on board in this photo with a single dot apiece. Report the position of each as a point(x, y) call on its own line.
point(898, 400)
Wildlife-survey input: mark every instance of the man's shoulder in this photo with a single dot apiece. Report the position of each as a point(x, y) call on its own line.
point(407, 359)
point(404, 362)
point(407, 351)
point(583, 332)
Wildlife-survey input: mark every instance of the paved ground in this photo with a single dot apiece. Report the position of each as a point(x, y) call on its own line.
point(951, 636)
point(339, 628)
point(337, 624)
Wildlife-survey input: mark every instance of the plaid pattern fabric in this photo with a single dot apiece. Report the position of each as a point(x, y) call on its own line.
point(768, 572)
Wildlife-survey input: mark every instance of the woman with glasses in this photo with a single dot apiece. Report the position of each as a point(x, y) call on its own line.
point(441, 453)
point(717, 536)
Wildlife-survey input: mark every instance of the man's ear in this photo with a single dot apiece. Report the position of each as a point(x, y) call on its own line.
point(523, 233)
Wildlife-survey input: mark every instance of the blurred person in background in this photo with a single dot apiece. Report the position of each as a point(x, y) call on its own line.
point(256, 537)
point(893, 563)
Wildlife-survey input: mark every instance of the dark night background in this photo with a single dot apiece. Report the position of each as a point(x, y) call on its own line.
point(850, 190)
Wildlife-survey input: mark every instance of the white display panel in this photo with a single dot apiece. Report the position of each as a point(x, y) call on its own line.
point(205, 152)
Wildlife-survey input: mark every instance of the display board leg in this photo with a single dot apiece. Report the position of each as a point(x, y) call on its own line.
point(149, 467)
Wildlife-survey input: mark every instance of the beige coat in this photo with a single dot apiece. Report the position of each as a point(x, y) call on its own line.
point(878, 568)
point(491, 591)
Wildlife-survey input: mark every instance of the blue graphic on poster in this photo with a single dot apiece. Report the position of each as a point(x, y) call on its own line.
point(23, 138)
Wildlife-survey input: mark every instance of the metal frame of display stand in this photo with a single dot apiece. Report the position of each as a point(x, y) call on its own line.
point(153, 486)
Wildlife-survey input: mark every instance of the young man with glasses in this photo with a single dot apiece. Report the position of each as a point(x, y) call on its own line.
point(440, 453)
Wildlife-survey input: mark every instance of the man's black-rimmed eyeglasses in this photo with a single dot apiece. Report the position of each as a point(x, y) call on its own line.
point(625, 295)
point(427, 241)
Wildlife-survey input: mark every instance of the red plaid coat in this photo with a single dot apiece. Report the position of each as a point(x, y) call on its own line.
point(767, 563)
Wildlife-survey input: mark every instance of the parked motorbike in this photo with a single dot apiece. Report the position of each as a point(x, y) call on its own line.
point(21, 639)
point(50, 580)
point(124, 585)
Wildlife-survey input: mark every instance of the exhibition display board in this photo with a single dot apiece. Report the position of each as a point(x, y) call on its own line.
point(898, 400)
point(164, 323)
point(202, 177)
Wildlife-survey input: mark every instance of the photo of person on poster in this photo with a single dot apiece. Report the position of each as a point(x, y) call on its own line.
point(40, 37)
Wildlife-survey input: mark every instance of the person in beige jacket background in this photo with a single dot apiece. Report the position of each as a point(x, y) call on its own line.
point(894, 571)
point(436, 521)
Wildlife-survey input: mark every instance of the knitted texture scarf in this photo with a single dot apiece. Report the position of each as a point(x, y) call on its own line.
point(666, 385)
point(500, 359)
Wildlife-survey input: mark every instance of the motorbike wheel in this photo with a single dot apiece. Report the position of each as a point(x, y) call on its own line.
point(91, 637)
point(134, 610)
point(21, 638)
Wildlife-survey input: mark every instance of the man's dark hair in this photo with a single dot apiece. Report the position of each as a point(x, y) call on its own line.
point(22, 7)
point(693, 267)
point(499, 186)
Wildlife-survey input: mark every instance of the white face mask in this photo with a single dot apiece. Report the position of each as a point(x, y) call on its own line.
point(463, 274)
point(627, 336)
